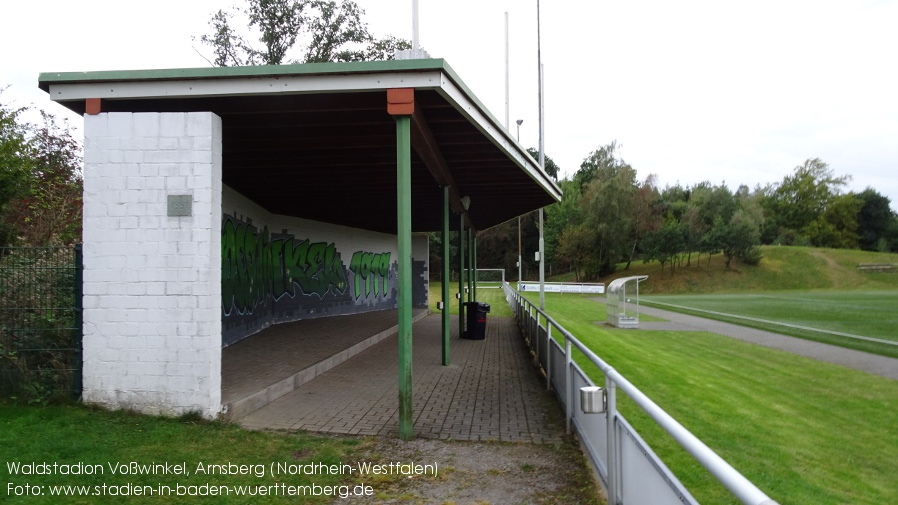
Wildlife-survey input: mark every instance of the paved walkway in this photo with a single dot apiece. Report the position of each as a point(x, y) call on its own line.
point(491, 391)
point(261, 368)
point(858, 360)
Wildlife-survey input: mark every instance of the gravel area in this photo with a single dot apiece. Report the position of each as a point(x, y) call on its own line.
point(485, 473)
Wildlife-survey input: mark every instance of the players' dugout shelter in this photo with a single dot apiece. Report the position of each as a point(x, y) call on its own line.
point(220, 201)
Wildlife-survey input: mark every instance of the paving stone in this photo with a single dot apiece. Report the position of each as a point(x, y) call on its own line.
point(490, 392)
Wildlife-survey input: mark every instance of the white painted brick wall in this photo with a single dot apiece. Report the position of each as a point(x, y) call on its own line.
point(152, 283)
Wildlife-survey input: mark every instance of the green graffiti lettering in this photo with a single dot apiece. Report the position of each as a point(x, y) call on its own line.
point(255, 267)
point(383, 270)
point(276, 269)
point(298, 266)
point(228, 266)
point(333, 269)
point(372, 270)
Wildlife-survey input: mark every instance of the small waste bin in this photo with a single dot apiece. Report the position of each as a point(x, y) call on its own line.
point(476, 320)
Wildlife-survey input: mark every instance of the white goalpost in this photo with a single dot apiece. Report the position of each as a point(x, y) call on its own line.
point(490, 278)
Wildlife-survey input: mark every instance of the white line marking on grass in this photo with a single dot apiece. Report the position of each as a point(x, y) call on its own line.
point(779, 323)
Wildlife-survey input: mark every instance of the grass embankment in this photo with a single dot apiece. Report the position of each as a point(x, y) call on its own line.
point(801, 430)
point(69, 435)
point(781, 268)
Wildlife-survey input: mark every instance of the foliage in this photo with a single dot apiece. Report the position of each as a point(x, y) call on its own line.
point(40, 181)
point(837, 225)
point(608, 201)
point(801, 198)
point(593, 227)
point(325, 30)
point(561, 216)
point(551, 167)
point(876, 221)
point(575, 247)
point(665, 243)
point(735, 239)
point(15, 165)
point(48, 211)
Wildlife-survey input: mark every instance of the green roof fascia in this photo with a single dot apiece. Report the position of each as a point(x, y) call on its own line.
point(45, 79)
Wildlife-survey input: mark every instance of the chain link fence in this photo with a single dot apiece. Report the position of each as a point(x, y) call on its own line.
point(40, 323)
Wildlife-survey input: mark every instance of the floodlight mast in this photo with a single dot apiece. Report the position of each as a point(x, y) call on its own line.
point(414, 27)
point(542, 166)
point(520, 258)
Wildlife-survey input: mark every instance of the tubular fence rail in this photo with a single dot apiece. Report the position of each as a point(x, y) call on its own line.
point(630, 472)
point(40, 323)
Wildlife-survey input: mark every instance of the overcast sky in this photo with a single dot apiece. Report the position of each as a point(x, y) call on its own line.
point(719, 91)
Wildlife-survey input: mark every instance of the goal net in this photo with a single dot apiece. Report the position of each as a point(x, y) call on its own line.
point(490, 278)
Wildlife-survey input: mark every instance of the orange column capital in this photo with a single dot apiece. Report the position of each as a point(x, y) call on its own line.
point(92, 106)
point(401, 101)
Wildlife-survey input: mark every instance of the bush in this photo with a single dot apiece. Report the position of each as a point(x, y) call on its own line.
point(752, 256)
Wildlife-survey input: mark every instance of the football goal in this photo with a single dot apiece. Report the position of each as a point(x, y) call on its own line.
point(490, 278)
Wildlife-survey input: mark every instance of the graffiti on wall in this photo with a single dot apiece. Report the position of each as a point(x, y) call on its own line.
point(256, 266)
point(371, 269)
point(269, 278)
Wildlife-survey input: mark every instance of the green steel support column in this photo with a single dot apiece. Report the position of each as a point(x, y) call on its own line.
point(404, 246)
point(461, 277)
point(470, 253)
point(474, 264)
point(445, 256)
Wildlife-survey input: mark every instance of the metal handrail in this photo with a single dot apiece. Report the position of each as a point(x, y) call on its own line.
point(742, 488)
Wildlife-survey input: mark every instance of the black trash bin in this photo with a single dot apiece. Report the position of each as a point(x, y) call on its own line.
point(476, 320)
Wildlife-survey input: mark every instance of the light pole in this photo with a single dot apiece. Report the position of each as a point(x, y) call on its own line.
point(520, 266)
point(542, 164)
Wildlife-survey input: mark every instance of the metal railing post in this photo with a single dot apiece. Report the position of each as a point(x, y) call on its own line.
point(537, 337)
point(569, 383)
point(548, 357)
point(611, 439)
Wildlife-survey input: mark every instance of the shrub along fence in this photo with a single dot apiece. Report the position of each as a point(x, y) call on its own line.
point(40, 323)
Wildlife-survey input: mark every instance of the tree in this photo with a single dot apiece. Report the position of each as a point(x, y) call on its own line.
point(665, 243)
point(551, 167)
point(605, 158)
point(49, 209)
point(15, 165)
point(330, 31)
point(737, 238)
point(837, 225)
point(803, 196)
point(40, 181)
point(645, 213)
point(575, 247)
point(608, 203)
point(560, 216)
point(874, 218)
